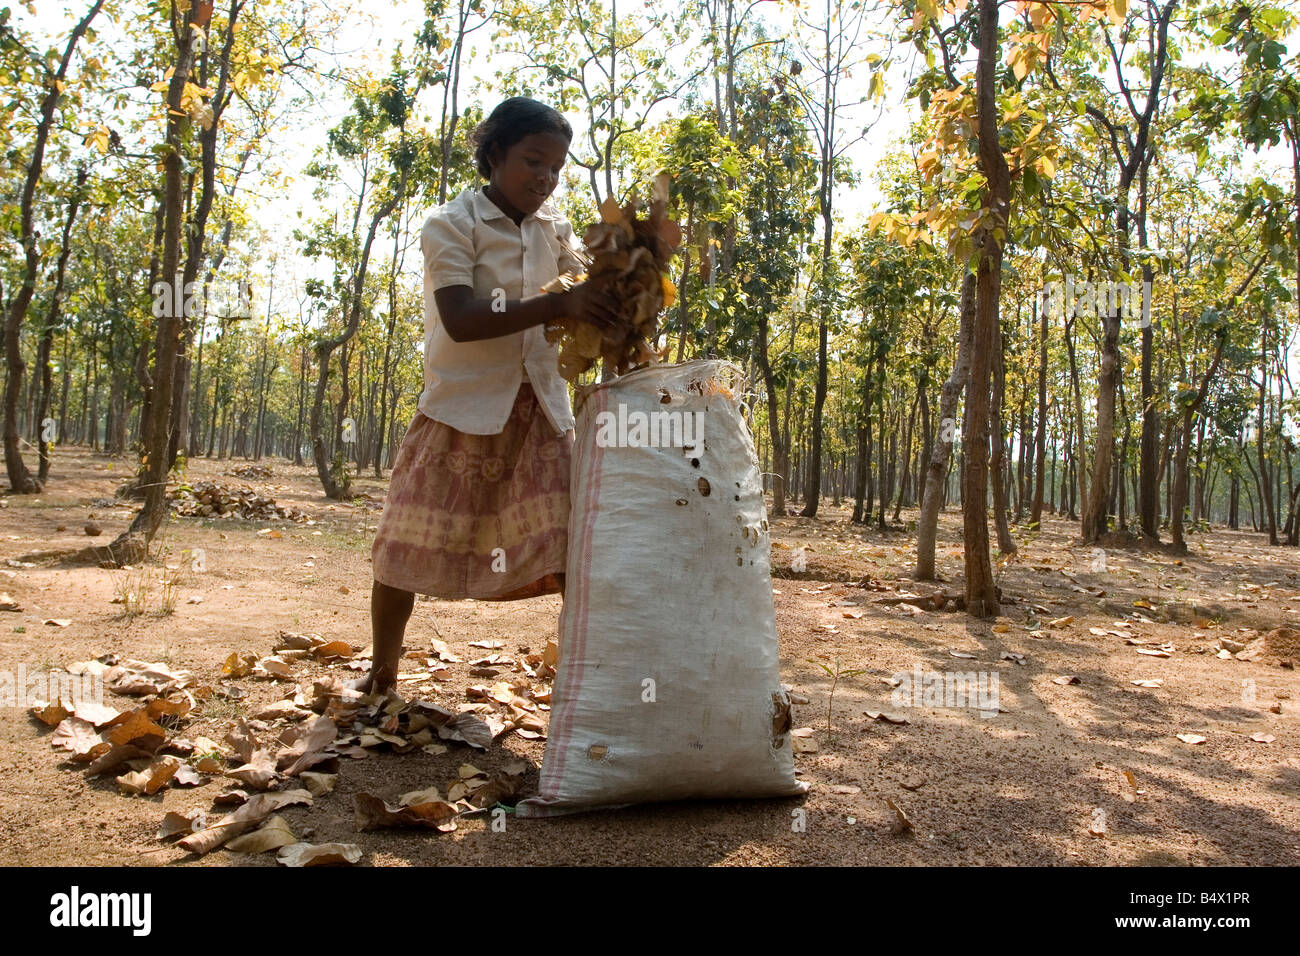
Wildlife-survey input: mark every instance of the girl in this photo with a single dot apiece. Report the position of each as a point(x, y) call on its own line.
point(478, 503)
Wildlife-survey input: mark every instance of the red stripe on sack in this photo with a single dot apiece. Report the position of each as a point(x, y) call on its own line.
point(562, 736)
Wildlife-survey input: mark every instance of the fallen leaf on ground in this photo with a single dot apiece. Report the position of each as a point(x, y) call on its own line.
point(271, 835)
point(323, 854)
point(259, 772)
point(901, 823)
point(176, 824)
point(80, 738)
point(257, 808)
point(374, 813)
point(1130, 789)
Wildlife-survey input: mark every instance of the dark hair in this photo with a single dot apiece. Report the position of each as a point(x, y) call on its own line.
point(511, 121)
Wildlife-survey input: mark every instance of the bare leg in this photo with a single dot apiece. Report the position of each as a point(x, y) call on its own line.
point(390, 609)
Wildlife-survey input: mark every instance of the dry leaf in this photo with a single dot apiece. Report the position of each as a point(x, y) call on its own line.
point(306, 751)
point(333, 650)
point(282, 710)
point(901, 823)
point(97, 714)
point(257, 808)
point(318, 784)
point(271, 835)
point(80, 738)
point(176, 824)
point(425, 810)
point(324, 854)
point(53, 714)
point(1131, 791)
point(259, 772)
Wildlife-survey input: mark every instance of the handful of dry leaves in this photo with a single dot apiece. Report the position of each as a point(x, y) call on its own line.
point(637, 250)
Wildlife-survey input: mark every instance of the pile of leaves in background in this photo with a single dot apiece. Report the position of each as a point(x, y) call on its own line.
point(289, 752)
point(216, 499)
point(637, 251)
point(252, 472)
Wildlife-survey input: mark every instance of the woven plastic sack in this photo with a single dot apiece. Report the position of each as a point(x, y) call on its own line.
point(668, 684)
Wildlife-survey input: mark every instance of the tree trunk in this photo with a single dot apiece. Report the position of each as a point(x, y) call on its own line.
point(981, 592)
point(936, 472)
point(21, 480)
point(131, 546)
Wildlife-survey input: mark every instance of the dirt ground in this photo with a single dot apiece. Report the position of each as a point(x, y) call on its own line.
point(1026, 786)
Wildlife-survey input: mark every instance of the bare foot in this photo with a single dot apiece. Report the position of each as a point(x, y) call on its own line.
point(379, 681)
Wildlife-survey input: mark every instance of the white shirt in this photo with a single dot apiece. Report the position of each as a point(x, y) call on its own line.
point(469, 241)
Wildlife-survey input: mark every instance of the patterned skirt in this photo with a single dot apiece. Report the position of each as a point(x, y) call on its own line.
point(477, 516)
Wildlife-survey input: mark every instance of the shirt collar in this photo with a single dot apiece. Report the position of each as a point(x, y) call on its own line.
point(487, 209)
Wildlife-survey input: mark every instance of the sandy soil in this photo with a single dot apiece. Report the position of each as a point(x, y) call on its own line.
point(1023, 787)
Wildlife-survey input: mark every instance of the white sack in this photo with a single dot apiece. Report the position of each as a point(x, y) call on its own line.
point(668, 685)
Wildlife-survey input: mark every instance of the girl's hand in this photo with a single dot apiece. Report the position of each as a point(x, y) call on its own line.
point(591, 301)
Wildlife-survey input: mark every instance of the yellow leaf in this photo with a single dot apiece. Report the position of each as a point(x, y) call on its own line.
point(610, 212)
point(1118, 11)
point(99, 139)
point(1019, 63)
point(670, 290)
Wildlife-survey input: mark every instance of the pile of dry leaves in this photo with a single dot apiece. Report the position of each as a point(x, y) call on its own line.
point(290, 752)
point(637, 251)
point(216, 499)
point(252, 472)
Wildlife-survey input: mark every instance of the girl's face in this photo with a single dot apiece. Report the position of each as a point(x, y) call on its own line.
point(529, 172)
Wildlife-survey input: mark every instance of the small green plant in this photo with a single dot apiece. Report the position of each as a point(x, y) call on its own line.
point(131, 590)
point(170, 586)
point(835, 676)
point(222, 708)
